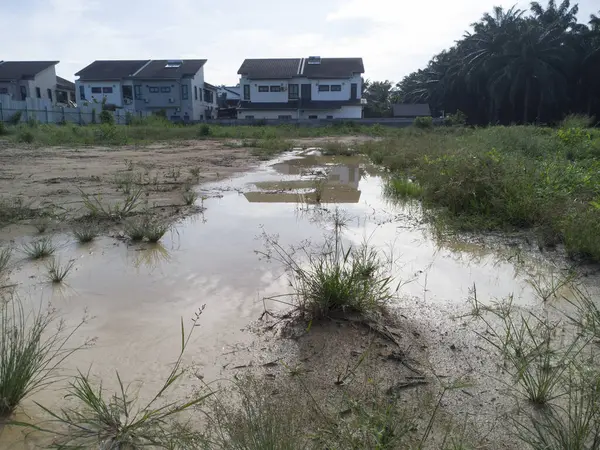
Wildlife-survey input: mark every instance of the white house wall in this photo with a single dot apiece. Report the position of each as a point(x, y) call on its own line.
point(115, 98)
point(344, 94)
point(45, 80)
point(266, 97)
point(268, 115)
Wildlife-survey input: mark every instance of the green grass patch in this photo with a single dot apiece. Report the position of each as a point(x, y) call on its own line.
point(39, 248)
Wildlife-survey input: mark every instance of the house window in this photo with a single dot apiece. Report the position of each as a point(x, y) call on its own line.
point(323, 88)
point(23, 93)
point(275, 88)
point(195, 92)
point(50, 94)
point(336, 88)
point(247, 93)
point(137, 89)
point(96, 90)
point(313, 117)
point(107, 90)
point(153, 89)
point(4, 91)
point(184, 92)
point(284, 117)
point(249, 117)
point(38, 92)
point(292, 92)
point(263, 89)
point(165, 89)
point(330, 117)
point(81, 93)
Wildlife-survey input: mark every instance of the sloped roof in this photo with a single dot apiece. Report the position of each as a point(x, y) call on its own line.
point(157, 69)
point(334, 68)
point(23, 70)
point(64, 83)
point(270, 68)
point(110, 70)
point(210, 86)
point(411, 110)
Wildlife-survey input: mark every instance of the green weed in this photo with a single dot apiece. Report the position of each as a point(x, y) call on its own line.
point(119, 210)
point(189, 197)
point(5, 254)
point(57, 272)
point(85, 232)
point(39, 248)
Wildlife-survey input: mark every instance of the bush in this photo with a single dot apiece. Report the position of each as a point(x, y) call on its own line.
point(204, 130)
point(3, 130)
point(423, 122)
point(15, 118)
point(577, 121)
point(32, 122)
point(106, 117)
point(458, 119)
point(25, 136)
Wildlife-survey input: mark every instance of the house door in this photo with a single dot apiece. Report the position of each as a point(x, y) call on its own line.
point(306, 92)
point(353, 91)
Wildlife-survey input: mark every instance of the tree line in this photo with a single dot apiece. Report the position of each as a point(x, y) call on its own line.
point(514, 66)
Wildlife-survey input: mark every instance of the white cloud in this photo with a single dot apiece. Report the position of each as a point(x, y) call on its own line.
point(394, 37)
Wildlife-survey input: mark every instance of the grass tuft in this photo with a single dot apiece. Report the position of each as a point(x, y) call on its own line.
point(402, 187)
point(85, 232)
point(57, 272)
point(155, 230)
point(151, 229)
point(31, 351)
point(5, 254)
point(189, 197)
point(135, 229)
point(39, 248)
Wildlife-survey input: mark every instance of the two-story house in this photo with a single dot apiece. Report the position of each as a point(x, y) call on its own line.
point(301, 88)
point(28, 79)
point(176, 87)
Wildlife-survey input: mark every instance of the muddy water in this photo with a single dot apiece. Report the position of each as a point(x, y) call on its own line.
point(135, 295)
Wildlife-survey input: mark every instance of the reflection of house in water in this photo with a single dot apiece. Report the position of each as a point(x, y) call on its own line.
point(341, 184)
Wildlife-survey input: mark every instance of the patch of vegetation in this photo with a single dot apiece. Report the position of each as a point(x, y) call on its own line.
point(42, 223)
point(39, 248)
point(15, 119)
point(120, 419)
point(155, 230)
point(85, 232)
point(14, 209)
point(333, 279)
point(97, 208)
point(57, 272)
point(32, 347)
point(146, 228)
point(189, 197)
point(135, 229)
point(5, 254)
point(106, 117)
point(204, 130)
point(402, 187)
point(3, 129)
point(25, 136)
point(423, 122)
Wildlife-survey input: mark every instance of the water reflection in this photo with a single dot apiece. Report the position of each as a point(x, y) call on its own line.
point(151, 256)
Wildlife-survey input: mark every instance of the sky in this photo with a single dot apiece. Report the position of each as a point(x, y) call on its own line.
point(394, 37)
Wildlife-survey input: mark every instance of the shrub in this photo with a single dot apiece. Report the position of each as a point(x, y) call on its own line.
point(15, 118)
point(3, 129)
point(577, 121)
point(32, 122)
point(402, 187)
point(458, 119)
point(26, 136)
point(423, 122)
point(106, 117)
point(204, 130)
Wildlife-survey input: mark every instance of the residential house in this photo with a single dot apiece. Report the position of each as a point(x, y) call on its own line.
point(28, 79)
point(229, 96)
point(176, 87)
point(411, 110)
point(301, 88)
point(65, 91)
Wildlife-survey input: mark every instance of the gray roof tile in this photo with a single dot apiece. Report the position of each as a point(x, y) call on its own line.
point(270, 68)
point(110, 70)
point(22, 70)
point(157, 69)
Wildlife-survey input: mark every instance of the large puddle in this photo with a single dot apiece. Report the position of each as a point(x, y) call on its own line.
point(135, 295)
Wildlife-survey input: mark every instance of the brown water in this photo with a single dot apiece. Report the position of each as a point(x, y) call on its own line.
point(136, 294)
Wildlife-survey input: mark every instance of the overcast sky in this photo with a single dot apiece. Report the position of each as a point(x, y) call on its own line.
point(394, 37)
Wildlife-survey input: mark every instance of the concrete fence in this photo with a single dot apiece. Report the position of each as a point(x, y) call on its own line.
point(43, 111)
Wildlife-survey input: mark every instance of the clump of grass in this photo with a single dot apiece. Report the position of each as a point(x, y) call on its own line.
point(332, 279)
point(577, 121)
point(5, 254)
point(30, 352)
point(26, 136)
point(119, 210)
point(120, 420)
point(402, 187)
point(85, 232)
point(39, 248)
point(136, 229)
point(204, 130)
point(57, 272)
point(155, 230)
point(42, 223)
point(189, 197)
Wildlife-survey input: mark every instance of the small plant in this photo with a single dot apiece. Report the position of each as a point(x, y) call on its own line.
point(42, 223)
point(155, 230)
point(119, 420)
point(402, 187)
point(3, 130)
point(39, 248)
point(174, 173)
point(195, 172)
point(97, 208)
point(85, 232)
point(423, 122)
point(204, 130)
point(136, 229)
point(32, 122)
point(57, 271)
point(15, 118)
point(458, 119)
point(26, 136)
point(189, 197)
point(30, 352)
point(5, 254)
point(106, 117)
